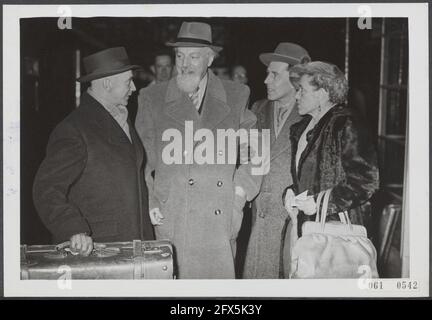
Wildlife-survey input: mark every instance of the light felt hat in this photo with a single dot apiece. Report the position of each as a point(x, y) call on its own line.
point(287, 52)
point(194, 34)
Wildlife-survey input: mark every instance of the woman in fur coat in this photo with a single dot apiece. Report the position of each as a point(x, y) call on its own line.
point(331, 149)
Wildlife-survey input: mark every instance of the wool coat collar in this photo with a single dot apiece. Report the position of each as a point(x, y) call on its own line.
point(312, 136)
point(280, 144)
point(214, 108)
point(102, 119)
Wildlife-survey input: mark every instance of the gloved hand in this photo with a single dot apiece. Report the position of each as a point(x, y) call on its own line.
point(290, 204)
point(308, 206)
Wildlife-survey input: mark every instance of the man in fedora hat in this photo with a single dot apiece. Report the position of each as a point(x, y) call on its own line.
point(276, 113)
point(90, 186)
point(196, 205)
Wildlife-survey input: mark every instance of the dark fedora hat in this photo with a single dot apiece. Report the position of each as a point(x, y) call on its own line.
point(287, 52)
point(106, 63)
point(194, 34)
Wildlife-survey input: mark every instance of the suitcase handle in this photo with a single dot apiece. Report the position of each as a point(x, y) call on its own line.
point(99, 249)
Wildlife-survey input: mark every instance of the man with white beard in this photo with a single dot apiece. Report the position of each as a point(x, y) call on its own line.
point(196, 206)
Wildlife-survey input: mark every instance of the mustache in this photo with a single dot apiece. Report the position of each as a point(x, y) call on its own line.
point(186, 72)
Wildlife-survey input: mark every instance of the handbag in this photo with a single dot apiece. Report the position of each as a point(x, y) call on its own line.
point(332, 250)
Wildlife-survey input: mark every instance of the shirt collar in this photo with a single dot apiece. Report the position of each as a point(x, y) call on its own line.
point(201, 87)
point(203, 83)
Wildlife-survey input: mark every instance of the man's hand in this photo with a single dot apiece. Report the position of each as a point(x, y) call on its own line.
point(82, 244)
point(156, 217)
point(308, 206)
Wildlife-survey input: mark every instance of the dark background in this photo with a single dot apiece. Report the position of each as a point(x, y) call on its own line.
point(48, 94)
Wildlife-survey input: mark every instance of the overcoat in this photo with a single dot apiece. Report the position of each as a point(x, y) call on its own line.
point(263, 252)
point(196, 199)
point(91, 179)
point(340, 155)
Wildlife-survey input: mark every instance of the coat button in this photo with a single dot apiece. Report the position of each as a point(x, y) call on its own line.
point(191, 182)
point(219, 183)
point(218, 212)
point(220, 152)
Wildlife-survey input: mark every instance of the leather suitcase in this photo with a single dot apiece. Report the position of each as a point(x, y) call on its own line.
point(114, 260)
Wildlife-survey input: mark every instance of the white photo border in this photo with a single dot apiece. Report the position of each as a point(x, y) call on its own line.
point(418, 146)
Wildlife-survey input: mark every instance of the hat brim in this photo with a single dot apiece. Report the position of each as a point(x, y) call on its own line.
point(102, 74)
point(193, 44)
point(266, 58)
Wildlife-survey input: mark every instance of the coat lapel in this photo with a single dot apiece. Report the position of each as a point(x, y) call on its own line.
point(265, 118)
point(107, 124)
point(136, 142)
point(214, 107)
point(178, 105)
point(316, 132)
point(295, 132)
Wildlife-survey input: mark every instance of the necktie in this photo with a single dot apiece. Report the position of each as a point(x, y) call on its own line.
point(195, 99)
point(280, 116)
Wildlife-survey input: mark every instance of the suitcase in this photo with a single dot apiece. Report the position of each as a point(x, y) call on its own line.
point(114, 260)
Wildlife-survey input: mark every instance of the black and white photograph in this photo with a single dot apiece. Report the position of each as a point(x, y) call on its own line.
point(216, 150)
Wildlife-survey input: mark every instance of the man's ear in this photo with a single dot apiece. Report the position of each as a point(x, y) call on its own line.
point(210, 59)
point(153, 69)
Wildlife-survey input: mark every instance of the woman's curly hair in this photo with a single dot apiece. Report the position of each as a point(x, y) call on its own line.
point(327, 76)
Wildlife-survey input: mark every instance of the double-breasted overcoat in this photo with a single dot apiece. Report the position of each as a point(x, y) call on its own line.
point(196, 199)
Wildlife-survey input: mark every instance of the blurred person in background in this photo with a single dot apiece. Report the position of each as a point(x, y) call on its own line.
point(163, 66)
point(239, 74)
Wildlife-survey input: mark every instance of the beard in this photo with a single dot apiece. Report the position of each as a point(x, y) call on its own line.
point(188, 82)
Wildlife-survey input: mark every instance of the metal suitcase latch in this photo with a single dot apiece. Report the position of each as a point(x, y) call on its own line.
point(137, 248)
point(142, 247)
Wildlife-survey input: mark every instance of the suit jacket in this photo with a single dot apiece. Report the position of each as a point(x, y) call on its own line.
point(197, 200)
point(91, 179)
point(269, 214)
